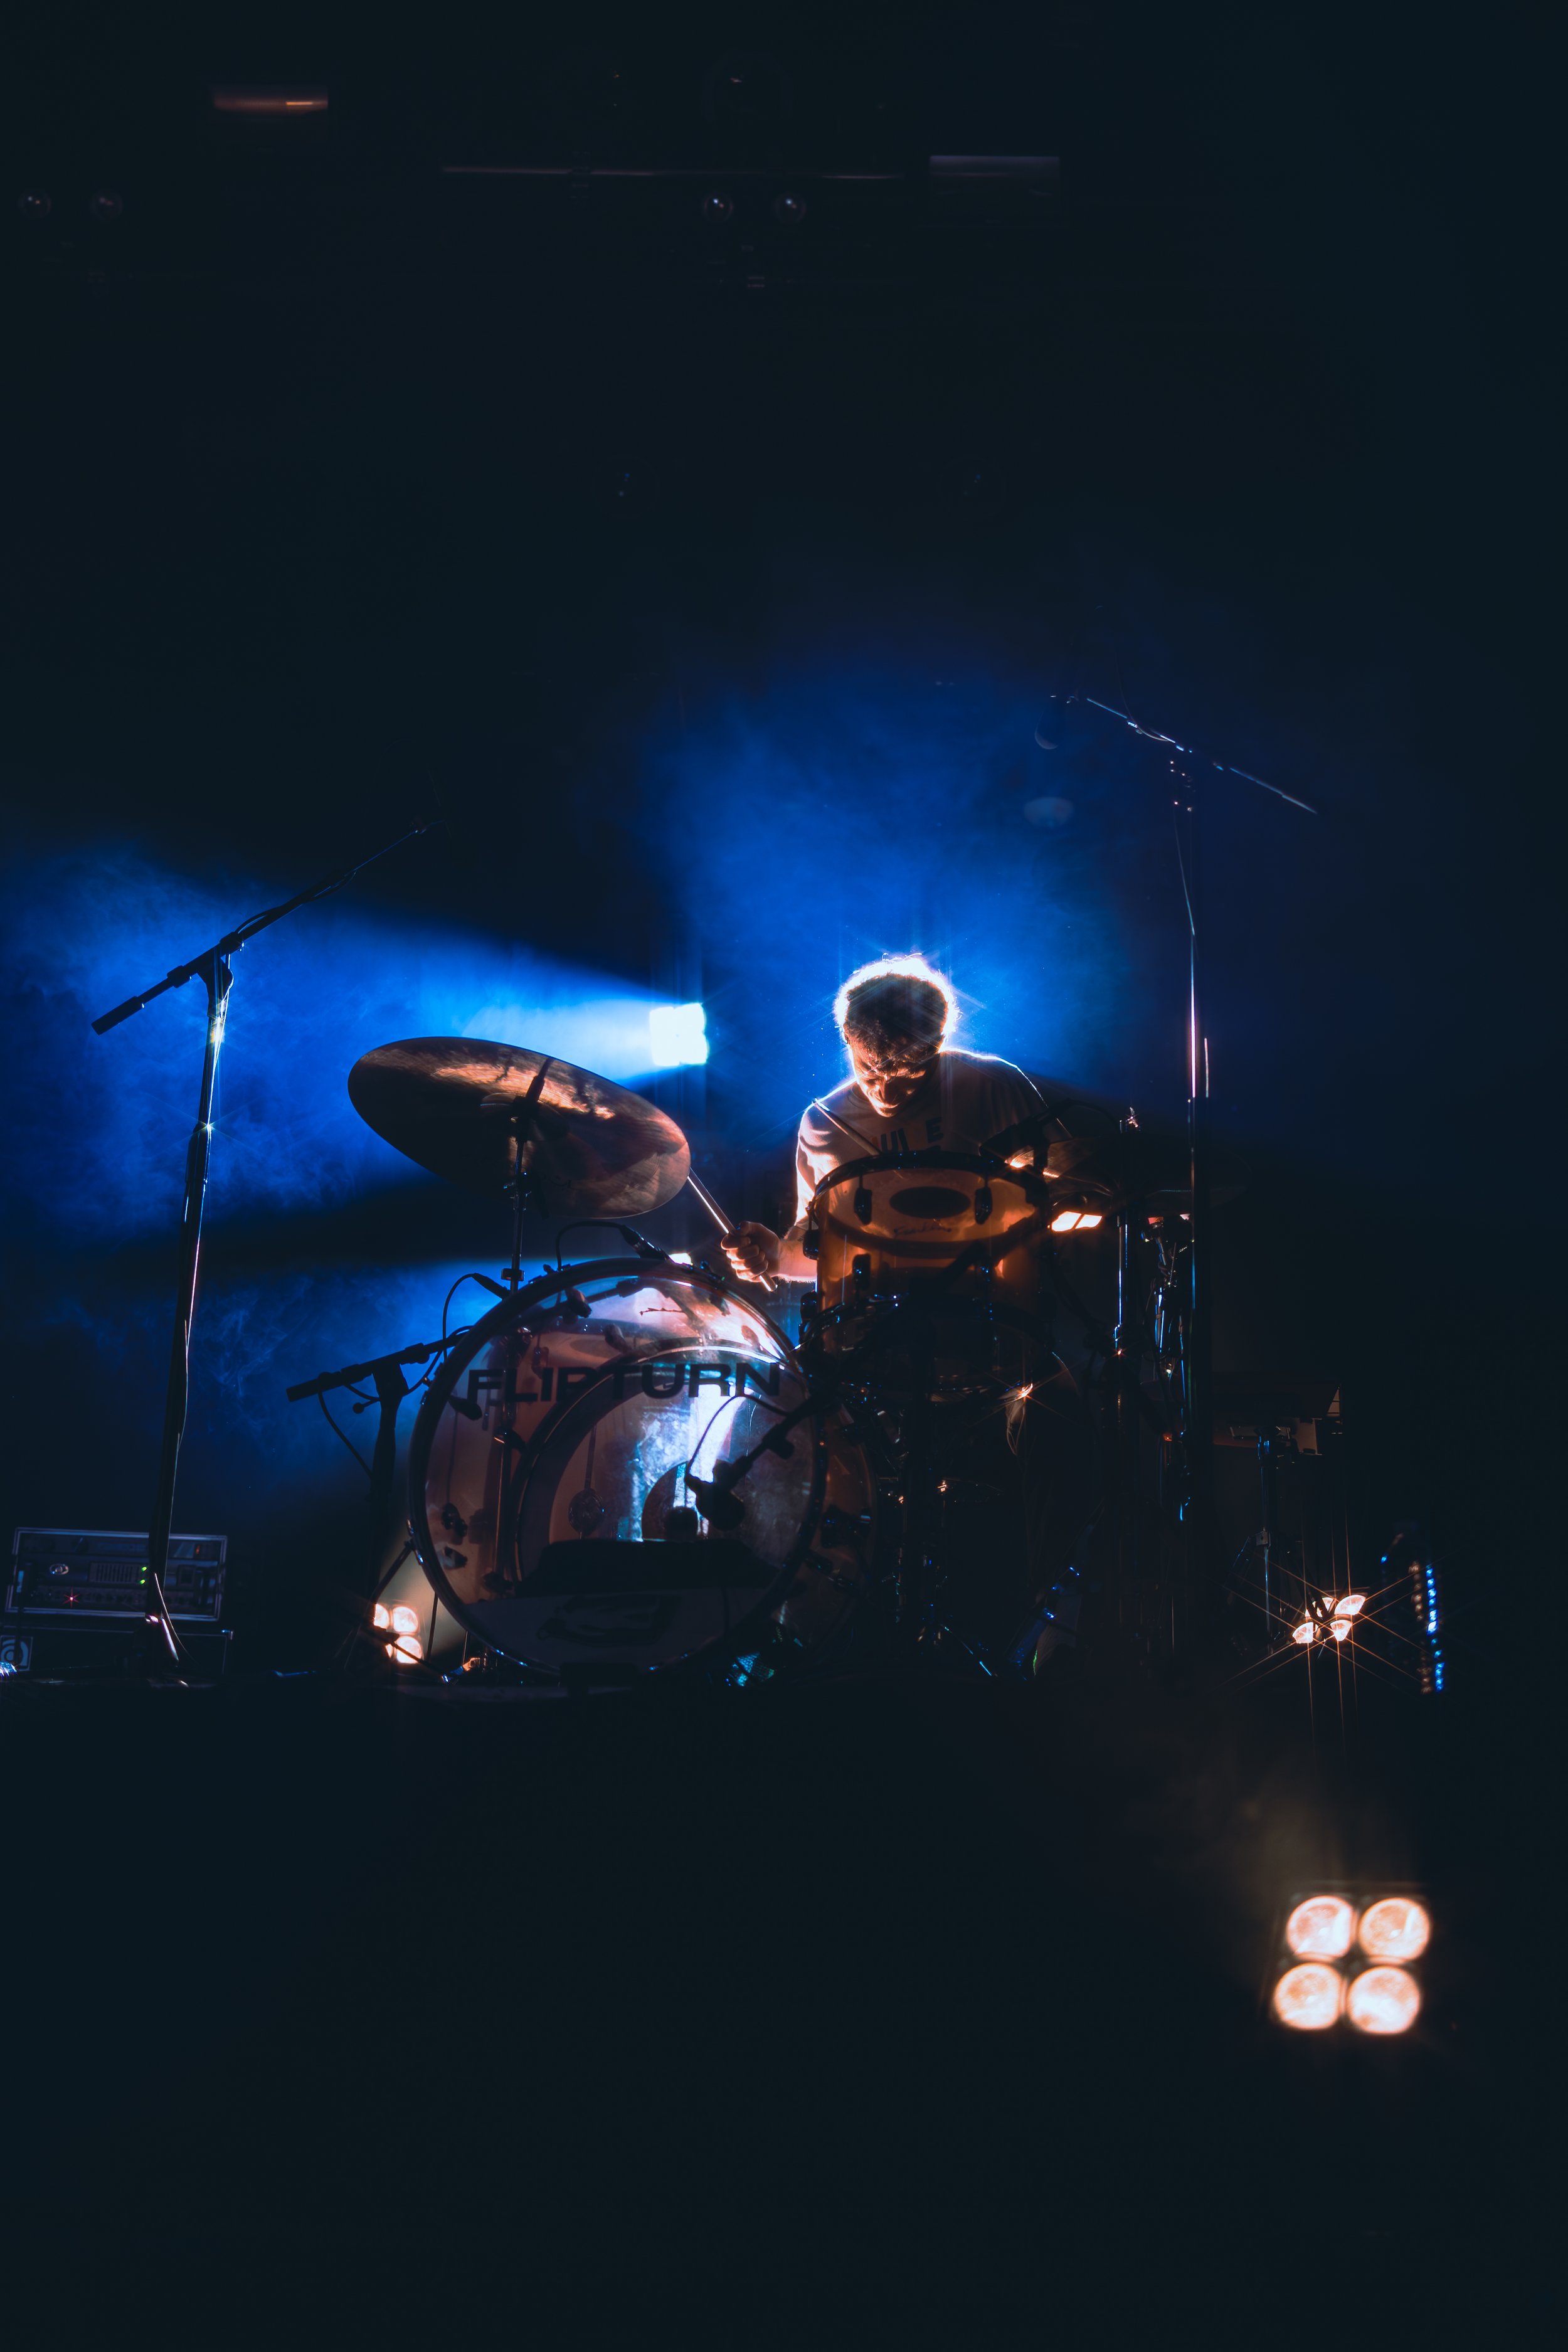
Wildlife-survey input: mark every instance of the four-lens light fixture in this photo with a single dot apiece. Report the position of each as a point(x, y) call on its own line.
point(1326, 1619)
point(1352, 1961)
point(406, 1648)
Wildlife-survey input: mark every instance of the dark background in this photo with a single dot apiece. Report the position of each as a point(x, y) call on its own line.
point(711, 578)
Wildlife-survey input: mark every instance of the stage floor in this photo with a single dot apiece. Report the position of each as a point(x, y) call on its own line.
point(868, 2001)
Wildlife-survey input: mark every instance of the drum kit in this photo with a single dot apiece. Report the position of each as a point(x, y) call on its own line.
point(629, 1467)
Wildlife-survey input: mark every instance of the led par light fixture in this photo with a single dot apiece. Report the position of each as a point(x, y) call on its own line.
point(1347, 1953)
point(404, 1648)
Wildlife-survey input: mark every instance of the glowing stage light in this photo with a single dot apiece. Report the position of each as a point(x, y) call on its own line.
point(1308, 1998)
point(1321, 1928)
point(1350, 1605)
point(1341, 1629)
point(406, 1651)
point(404, 1620)
point(1075, 1221)
point(381, 1617)
point(250, 100)
point(1305, 1632)
point(1394, 1929)
point(678, 1035)
point(1383, 2000)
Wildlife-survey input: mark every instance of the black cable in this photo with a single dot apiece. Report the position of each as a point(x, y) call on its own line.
point(447, 1306)
point(342, 1436)
point(609, 1225)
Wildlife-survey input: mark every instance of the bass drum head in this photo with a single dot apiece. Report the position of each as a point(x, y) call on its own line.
point(551, 1502)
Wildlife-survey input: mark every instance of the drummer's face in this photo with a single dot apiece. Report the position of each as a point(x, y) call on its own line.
point(889, 1080)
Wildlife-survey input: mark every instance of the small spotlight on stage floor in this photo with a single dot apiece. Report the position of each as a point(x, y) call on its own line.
point(1313, 1992)
point(1336, 1623)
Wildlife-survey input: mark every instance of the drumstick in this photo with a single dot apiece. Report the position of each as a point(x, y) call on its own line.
point(723, 1223)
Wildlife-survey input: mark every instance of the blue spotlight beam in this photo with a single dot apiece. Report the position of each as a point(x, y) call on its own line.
point(212, 966)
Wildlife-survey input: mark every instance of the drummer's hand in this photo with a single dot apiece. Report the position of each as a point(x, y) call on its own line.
point(753, 1250)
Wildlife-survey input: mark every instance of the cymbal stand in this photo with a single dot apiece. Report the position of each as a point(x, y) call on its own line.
point(161, 1648)
point(522, 1144)
point(1123, 1371)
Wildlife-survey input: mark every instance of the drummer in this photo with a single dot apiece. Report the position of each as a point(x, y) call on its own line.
point(908, 1090)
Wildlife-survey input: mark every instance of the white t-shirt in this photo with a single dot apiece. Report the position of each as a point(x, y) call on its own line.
point(966, 1099)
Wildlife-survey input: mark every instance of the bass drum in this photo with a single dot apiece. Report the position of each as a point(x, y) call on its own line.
point(551, 1500)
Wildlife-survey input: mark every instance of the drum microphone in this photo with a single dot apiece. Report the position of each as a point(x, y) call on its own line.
point(717, 1503)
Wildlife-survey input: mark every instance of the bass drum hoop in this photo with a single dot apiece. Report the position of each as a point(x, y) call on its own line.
point(480, 1336)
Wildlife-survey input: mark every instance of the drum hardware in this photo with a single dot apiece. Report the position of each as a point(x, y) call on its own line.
point(523, 1143)
point(937, 1322)
point(385, 1373)
point(1185, 765)
point(214, 970)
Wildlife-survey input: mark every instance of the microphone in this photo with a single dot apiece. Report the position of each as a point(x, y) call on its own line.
point(717, 1504)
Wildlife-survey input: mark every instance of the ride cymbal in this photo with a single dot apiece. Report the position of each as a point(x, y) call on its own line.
point(473, 1111)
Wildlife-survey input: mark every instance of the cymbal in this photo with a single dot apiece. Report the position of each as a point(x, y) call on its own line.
point(472, 1112)
point(1150, 1163)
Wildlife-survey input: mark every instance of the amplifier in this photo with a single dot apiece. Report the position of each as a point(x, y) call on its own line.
point(88, 1572)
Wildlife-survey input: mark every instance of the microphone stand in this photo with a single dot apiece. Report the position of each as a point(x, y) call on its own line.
point(391, 1388)
point(1187, 767)
point(161, 1645)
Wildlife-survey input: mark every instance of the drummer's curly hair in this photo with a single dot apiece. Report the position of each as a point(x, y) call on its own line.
point(899, 1003)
